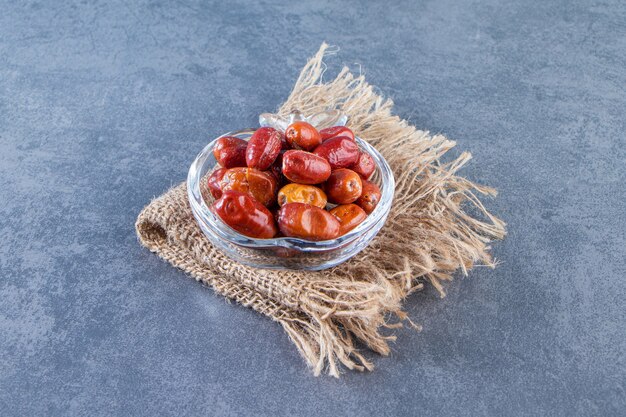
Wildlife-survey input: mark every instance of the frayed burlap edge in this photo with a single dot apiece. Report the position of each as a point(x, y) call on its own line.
point(437, 225)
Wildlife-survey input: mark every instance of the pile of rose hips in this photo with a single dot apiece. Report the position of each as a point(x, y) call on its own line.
point(308, 169)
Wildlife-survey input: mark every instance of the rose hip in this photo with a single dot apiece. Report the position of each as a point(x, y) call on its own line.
point(258, 184)
point(305, 168)
point(364, 165)
point(230, 152)
point(263, 148)
point(343, 186)
point(299, 193)
point(307, 222)
point(369, 197)
point(246, 215)
point(332, 132)
point(349, 216)
point(302, 135)
point(214, 182)
point(340, 152)
point(276, 169)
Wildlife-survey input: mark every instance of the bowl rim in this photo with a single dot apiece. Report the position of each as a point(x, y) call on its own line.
point(204, 215)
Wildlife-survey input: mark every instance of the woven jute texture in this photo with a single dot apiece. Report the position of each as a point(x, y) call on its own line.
point(437, 226)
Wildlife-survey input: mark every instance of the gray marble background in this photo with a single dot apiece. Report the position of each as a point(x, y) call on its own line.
point(104, 104)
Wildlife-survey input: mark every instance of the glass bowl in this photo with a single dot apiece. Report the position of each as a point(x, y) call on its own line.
point(285, 252)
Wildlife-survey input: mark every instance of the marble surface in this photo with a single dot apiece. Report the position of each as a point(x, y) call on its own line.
point(104, 104)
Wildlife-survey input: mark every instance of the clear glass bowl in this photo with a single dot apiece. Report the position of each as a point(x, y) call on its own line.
point(285, 252)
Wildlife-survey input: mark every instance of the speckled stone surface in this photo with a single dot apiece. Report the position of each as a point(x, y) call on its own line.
point(103, 106)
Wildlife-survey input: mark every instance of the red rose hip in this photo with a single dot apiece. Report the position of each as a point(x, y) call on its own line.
point(302, 135)
point(263, 148)
point(214, 182)
point(340, 152)
point(307, 222)
point(370, 197)
point(343, 186)
point(332, 132)
point(364, 165)
point(305, 168)
point(246, 215)
point(276, 169)
point(230, 152)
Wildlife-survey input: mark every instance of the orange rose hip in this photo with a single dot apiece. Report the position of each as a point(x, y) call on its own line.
point(343, 186)
point(244, 214)
point(302, 135)
point(300, 193)
point(258, 184)
point(370, 197)
point(349, 216)
point(307, 222)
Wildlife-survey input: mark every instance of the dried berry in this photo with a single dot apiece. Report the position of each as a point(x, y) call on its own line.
point(214, 182)
point(258, 184)
point(246, 215)
point(364, 166)
point(340, 152)
point(305, 168)
point(349, 216)
point(302, 135)
point(370, 197)
point(307, 222)
point(343, 186)
point(263, 148)
point(276, 169)
point(333, 132)
point(230, 152)
point(299, 193)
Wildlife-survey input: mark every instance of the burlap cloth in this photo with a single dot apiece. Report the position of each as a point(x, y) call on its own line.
point(437, 225)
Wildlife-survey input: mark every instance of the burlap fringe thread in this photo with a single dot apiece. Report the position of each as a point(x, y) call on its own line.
point(436, 226)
